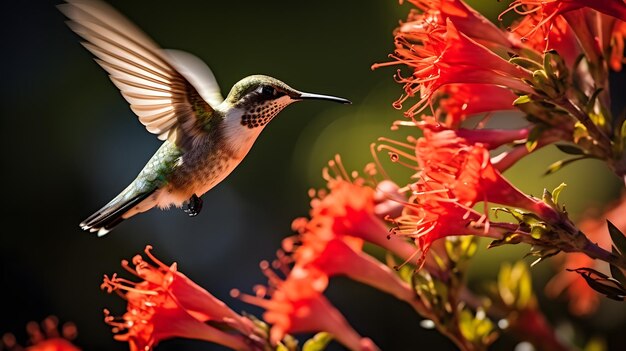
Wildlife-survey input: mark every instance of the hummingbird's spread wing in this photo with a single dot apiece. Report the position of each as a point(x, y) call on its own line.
point(161, 95)
point(198, 74)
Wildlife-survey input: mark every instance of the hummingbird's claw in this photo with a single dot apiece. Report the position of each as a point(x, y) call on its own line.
point(194, 206)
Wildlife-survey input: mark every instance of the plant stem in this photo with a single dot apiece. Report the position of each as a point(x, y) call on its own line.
point(508, 158)
point(596, 252)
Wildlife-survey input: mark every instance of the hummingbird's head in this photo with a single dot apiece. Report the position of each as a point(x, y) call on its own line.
point(260, 98)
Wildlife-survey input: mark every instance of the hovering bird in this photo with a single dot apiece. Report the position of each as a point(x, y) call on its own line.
point(175, 95)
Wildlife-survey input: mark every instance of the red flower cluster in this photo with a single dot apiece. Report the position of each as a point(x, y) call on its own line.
point(330, 243)
point(449, 43)
point(460, 62)
point(460, 65)
point(166, 304)
point(296, 304)
point(455, 172)
point(456, 102)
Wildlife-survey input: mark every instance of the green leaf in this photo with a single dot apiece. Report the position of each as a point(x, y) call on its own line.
point(543, 83)
point(541, 76)
point(570, 149)
point(517, 214)
point(440, 261)
point(618, 237)
point(476, 329)
point(607, 290)
point(318, 342)
point(524, 284)
point(562, 163)
point(531, 145)
point(547, 64)
point(533, 137)
point(580, 132)
point(598, 119)
point(555, 167)
point(588, 271)
point(484, 326)
point(511, 239)
point(536, 232)
point(601, 283)
point(469, 246)
point(406, 273)
point(515, 285)
point(524, 99)
point(460, 248)
point(281, 347)
point(466, 326)
point(617, 274)
point(525, 63)
point(504, 278)
point(596, 344)
point(557, 191)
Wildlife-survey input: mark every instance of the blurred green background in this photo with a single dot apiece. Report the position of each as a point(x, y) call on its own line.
point(71, 143)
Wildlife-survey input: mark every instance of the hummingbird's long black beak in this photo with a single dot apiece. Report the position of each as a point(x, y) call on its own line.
point(311, 96)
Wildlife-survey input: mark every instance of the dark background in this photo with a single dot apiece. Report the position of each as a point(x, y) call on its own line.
point(70, 143)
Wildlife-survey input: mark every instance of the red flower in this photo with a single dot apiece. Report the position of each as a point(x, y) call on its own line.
point(456, 102)
point(331, 242)
point(296, 305)
point(442, 55)
point(455, 172)
point(151, 320)
point(547, 10)
point(466, 19)
point(56, 344)
point(429, 216)
point(465, 171)
point(557, 35)
point(167, 304)
point(348, 208)
point(343, 256)
point(556, 21)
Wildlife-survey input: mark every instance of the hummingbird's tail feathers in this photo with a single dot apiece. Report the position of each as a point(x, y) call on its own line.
point(112, 214)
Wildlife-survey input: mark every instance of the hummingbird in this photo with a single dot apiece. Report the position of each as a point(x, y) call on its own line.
point(176, 97)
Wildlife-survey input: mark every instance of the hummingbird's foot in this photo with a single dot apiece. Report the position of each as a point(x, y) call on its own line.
point(194, 205)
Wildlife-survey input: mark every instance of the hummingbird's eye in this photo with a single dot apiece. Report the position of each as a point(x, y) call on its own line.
point(268, 91)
